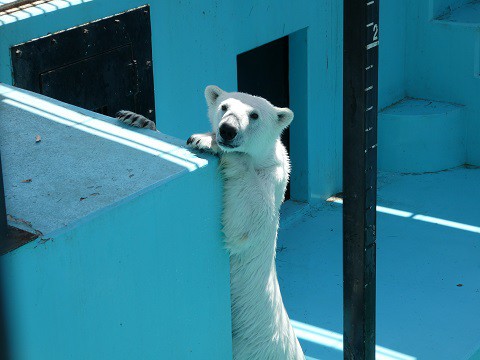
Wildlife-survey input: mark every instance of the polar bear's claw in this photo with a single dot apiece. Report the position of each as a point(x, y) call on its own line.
point(133, 119)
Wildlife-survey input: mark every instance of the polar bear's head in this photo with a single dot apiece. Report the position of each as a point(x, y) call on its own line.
point(245, 123)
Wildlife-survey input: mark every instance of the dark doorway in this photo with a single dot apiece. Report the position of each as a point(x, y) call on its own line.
point(104, 66)
point(264, 71)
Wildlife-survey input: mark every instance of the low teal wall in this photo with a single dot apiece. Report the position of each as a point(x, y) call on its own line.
point(130, 261)
point(147, 279)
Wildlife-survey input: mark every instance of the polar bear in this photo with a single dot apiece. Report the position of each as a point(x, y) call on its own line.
point(255, 167)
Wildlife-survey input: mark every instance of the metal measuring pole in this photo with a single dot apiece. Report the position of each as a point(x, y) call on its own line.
point(360, 96)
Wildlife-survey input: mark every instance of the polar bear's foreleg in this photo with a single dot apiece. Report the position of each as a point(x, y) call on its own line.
point(205, 142)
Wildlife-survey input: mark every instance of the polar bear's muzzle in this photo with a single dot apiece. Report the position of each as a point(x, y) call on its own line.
point(228, 131)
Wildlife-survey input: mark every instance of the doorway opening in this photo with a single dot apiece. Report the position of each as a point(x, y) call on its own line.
point(264, 71)
point(277, 71)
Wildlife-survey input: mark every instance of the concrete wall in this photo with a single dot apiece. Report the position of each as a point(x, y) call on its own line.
point(130, 261)
point(147, 279)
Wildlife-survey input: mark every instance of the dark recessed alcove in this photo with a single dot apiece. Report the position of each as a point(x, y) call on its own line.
point(264, 71)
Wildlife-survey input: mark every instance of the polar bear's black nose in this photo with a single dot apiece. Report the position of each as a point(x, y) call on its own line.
point(227, 132)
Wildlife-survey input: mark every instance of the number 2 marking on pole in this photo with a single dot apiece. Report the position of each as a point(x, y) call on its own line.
point(375, 32)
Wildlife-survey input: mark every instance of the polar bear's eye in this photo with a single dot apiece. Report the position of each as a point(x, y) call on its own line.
point(224, 107)
point(254, 116)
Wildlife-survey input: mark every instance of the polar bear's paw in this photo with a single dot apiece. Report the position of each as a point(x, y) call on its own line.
point(137, 120)
point(205, 142)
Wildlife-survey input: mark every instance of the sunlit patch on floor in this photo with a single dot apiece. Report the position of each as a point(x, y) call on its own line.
point(335, 340)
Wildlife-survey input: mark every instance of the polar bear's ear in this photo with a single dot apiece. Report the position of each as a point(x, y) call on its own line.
point(212, 93)
point(285, 116)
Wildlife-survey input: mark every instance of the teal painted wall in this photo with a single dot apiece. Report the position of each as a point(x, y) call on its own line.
point(145, 279)
point(392, 51)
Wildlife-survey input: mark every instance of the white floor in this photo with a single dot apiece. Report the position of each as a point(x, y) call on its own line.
point(428, 269)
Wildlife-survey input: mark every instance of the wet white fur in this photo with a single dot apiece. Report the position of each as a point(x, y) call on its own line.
point(255, 176)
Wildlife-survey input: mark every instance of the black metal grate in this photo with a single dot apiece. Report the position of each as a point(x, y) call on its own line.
point(104, 66)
